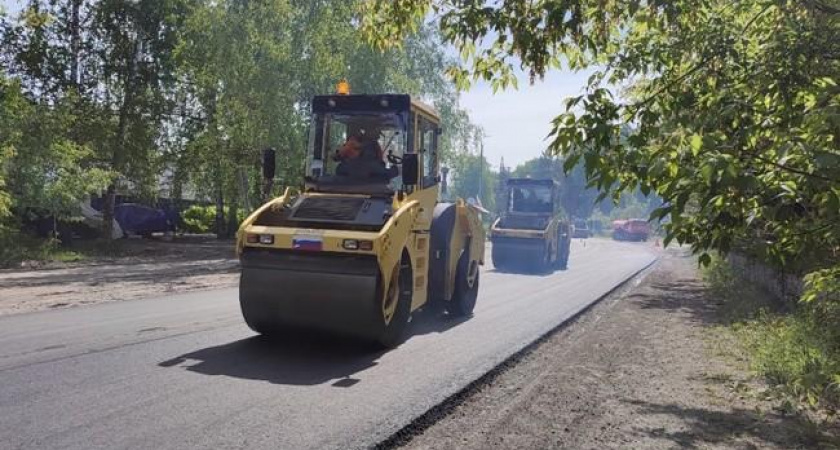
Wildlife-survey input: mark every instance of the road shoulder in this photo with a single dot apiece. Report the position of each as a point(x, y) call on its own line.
point(637, 371)
point(144, 269)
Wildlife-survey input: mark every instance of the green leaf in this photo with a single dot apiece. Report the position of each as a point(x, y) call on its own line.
point(696, 144)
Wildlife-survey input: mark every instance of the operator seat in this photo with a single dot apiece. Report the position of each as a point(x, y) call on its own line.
point(368, 165)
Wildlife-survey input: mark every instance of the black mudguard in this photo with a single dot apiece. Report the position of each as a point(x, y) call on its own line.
point(443, 224)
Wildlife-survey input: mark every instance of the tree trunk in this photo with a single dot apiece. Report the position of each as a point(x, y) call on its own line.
point(233, 221)
point(259, 187)
point(242, 192)
point(267, 190)
point(118, 155)
point(220, 205)
point(75, 44)
point(108, 212)
point(177, 192)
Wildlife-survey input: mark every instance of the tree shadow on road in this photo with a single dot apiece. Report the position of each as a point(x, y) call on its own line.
point(695, 301)
point(704, 428)
point(689, 297)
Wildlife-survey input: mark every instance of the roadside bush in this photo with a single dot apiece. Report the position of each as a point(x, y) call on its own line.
point(9, 250)
point(202, 219)
point(16, 247)
point(199, 219)
point(797, 351)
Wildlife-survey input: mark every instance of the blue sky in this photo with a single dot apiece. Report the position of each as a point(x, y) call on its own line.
point(516, 121)
point(11, 5)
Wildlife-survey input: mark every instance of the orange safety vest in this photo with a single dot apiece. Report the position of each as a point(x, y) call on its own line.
point(352, 149)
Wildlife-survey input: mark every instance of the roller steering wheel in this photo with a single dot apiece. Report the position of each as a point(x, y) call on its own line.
point(394, 159)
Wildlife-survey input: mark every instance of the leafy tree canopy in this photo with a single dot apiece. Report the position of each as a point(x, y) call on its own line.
point(172, 96)
point(473, 177)
point(734, 105)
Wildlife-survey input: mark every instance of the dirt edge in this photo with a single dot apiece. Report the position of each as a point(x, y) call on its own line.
point(442, 410)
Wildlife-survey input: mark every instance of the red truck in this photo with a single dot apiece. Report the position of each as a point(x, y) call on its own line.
point(631, 230)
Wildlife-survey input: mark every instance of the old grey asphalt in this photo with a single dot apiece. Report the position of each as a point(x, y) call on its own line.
point(185, 372)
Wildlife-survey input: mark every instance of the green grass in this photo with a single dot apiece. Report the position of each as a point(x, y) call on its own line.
point(68, 256)
point(796, 351)
point(16, 248)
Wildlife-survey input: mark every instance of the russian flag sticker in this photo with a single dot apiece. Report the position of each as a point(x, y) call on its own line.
point(307, 243)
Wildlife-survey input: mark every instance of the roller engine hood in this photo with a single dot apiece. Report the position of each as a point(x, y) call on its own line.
point(331, 212)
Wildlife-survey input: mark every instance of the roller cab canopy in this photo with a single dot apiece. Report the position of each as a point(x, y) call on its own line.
point(358, 145)
point(531, 196)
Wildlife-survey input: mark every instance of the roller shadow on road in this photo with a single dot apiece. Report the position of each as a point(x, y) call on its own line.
point(295, 359)
point(430, 322)
point(524, 271)
point(298, 358)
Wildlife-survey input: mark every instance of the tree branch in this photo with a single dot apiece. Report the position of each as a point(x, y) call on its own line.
point(699, 65)
point(815, 230)
point(795, 170)
point(679, 79)
point(822, 7)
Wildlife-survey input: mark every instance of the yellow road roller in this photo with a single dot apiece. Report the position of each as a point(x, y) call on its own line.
point(366, 242)
point(530, 234)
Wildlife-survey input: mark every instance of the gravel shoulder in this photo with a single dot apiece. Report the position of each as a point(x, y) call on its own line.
point(643, 369)
point(145, 268)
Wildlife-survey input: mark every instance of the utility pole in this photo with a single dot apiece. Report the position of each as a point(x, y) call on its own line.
point(480, 170)
point(444, 182)
point(75, 44)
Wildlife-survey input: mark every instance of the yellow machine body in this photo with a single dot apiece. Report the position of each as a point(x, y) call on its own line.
point(530, 234)
point(359, 258)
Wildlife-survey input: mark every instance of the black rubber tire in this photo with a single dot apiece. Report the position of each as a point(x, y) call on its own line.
point(562, 261)
point(496, 256)
point(443, 225)
point(558, 256)
point(545, 264)
point(255, 318)
point(394, 333)
point(262, 328)
point(464, 298)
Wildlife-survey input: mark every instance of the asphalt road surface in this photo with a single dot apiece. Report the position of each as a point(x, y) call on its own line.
point(185, 372)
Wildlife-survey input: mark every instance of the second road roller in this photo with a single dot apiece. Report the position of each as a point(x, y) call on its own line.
point(530, 234)
point(366, 242)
